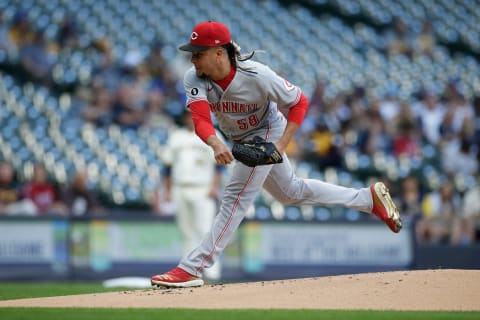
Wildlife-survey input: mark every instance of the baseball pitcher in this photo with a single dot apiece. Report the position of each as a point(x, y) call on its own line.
point(245, 97)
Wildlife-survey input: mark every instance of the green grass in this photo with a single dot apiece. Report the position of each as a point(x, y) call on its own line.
point(173, 314)
point(10, 290)
point(27, 290)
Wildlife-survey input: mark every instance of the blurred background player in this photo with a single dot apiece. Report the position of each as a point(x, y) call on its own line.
point(192, 180)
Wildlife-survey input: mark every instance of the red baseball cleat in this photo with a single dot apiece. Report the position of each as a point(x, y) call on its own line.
point(384, 208)
point(176, 278)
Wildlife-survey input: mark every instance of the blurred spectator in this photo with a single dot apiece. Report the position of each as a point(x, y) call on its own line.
point(460, 157)
point(406, 138)
point(460, 112)
point(108, 72)
point(375, 137)
point(135, 75)
point(9, 192)
point(155, 62)
point(100, 110)
point(21, 32)
point(156, 117)
point(440, 208)
point(451, 90)
point(134, 68)
point(181, 63)
point(127, 111)
point(36, 60)
point(448, 133)
point(410, 198)
point(295, 151)
point(7, 46)
point(389, 106)
point(324, 141)
point(318, 97)
point(79, 198)
point(67, 36)
point(399, 38)
point(173, 90)
point(464, 231)
point(358, 122)
point(458, 142)
point(467, 226)
point(43, 193)
point(425, 41)
point(337, 113)
point(358, 103)
point(430, 113)
point(323, 150)
point(406, 142)
point(10, 195)
point(315, 108)
point(476, 121)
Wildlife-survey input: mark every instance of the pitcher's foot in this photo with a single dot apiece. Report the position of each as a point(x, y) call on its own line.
point(384, 208)
point(176, 278)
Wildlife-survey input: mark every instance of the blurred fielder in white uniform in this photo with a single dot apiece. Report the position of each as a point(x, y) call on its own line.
point(192, 181)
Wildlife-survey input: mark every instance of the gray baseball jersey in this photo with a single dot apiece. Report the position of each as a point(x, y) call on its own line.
point(250, 107)
point(250, 101)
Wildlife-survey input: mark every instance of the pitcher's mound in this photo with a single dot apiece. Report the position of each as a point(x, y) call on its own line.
point(400, 290)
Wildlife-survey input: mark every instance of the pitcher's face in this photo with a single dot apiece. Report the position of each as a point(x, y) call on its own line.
point(206, 62)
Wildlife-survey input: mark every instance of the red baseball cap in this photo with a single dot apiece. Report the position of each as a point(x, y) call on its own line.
point(207, 34)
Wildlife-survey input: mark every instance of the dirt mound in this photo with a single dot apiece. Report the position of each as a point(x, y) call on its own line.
point(400, 290)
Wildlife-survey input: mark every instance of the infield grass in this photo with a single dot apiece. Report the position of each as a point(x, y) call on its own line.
point(14, 290)
point(174, 314)
point(30, 290)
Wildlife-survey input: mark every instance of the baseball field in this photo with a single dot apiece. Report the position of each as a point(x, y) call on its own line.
point(426, 294)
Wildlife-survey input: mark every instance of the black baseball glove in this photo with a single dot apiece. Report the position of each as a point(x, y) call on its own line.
point(256, 152)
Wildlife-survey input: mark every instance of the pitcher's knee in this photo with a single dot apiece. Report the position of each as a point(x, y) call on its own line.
point(294, 193)
point(291, 197)
point(287, 201)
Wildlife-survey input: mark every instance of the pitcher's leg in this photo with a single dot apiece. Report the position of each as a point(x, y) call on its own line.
point(214, 273)
point(286, 187)
point(244, 185)
point(205, 210)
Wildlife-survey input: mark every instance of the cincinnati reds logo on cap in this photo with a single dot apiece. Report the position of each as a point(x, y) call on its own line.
point(194, 36)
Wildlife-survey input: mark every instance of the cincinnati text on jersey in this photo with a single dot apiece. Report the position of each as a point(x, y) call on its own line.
point(233, 107)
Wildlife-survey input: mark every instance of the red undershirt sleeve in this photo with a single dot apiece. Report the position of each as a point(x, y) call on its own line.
point(297, 112)
point(202, 120)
